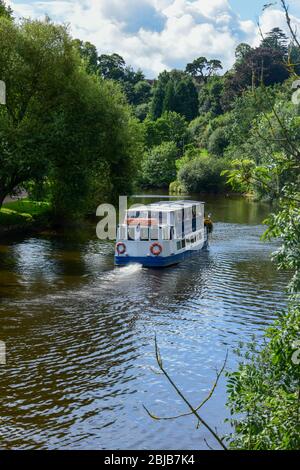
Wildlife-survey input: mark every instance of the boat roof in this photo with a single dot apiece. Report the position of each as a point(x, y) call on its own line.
point(167, 205)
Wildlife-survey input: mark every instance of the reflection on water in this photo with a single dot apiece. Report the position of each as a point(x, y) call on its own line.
point(79, 334)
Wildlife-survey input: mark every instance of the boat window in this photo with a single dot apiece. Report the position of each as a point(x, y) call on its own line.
point(166, 233)
point(131, 233)
point(144, 233)
point(194, 210)
point(160, 218)
point(154, 233)
point(183, 243)
point(179, 245)
point(188, 242)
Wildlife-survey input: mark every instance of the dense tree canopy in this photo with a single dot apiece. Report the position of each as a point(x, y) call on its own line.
point(5, 10)
point(175, 91)
point(67, 126)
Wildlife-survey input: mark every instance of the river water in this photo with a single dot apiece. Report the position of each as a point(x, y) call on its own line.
point(80, 334)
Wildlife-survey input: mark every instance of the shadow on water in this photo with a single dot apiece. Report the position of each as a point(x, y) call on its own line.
point(79, 333)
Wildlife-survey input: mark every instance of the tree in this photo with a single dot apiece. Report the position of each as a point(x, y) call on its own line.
point(201, 68)
point(5, 11)
point(170, 127)
point(61, 124)
point(158, 168)
point(111, 66)
point(260, 66)
point(203, 175)
point(218, 141)
point(276, 39)
point(175, 91)
point(242, 51)
point(89, 54)
point(210, 96)
point(41, 78)
point(142, 91)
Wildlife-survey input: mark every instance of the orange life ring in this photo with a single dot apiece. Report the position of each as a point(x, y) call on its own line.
point(156, 249)
point(121, 248)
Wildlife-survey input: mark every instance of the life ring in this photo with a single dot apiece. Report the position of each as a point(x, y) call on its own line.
point(156, 249)
point(121, 248)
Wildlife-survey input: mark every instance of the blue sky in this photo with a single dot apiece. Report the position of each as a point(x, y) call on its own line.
point(162, 34)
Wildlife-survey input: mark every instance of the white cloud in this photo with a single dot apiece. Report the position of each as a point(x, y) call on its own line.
point(156, 34)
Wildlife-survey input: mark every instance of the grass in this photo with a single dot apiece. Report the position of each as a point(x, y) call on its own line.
point(22, 212)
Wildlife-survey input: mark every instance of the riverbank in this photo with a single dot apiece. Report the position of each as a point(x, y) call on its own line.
point(23, 215)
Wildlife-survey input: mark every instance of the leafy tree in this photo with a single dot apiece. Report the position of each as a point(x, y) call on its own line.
point(141, 111)
point(242, 51)
point(218, 141)
point(260, 66)
point(175, 91)
point(5, 10)
point(89, 54)
point(169, 127)
point(276, 39)
point(142, 91)
point(201, 68)
point(210, 96)
point(265, 390)
point(66, 127)
point(41, 78)
point(203, 175)
point(112, 66)
point(158, 168)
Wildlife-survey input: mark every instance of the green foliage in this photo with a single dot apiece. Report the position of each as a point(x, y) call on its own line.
point(210, 96)
point(201, 68)
point(265, 390)
point(68, 129)
point(158, 168)
point(285, 224)
point(5, 11)
point(89, 54)
point(203, 175)
point(175, 91)
point(169, 127)
point(218, 141)
point(22, 212)
point(191, 153)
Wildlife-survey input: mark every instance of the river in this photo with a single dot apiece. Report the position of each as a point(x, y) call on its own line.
point(80, 334)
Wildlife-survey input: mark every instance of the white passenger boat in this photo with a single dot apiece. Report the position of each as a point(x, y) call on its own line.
point(162, 234)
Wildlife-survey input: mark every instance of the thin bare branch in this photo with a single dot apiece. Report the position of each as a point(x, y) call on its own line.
point(193, 411)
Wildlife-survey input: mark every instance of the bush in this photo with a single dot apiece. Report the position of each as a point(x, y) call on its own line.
point(218, 141)
point(158, 168)
point(203, 175)
point(265, 391)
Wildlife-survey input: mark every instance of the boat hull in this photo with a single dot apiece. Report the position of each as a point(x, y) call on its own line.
point(157, 261)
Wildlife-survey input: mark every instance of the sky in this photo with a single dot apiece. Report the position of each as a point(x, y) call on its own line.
point(157, 35)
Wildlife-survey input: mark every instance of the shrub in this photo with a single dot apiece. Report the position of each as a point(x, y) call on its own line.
point(158, 168)
point(203, 174)
point(265, 390)
point(218, 141)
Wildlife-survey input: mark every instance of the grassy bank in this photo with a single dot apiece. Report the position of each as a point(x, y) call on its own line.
point(24, 213)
